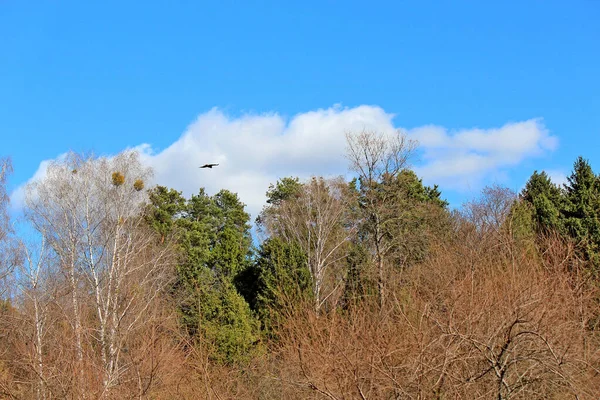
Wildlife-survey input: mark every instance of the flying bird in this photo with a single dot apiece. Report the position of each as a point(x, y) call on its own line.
point(208, 165)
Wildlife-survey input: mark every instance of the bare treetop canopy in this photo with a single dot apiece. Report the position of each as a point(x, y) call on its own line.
point(375, 155)
point(89, 211)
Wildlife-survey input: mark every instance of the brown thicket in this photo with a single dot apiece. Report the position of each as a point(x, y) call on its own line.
point(493, 324)
point(480, 318)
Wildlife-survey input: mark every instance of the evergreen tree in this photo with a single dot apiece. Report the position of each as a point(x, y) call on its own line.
point(284, 189)
point(358, 283)
point(278, 279)
point(573, 211)
point(213, 234)
point(410, 216)
point(545, 199)
point(414, 189)
point(581, 210)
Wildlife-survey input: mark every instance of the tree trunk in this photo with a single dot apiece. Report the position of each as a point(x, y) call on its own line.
point(77, 324)
point(380, 279)
point(41, 390)
point(380, 264)
point(317, 290)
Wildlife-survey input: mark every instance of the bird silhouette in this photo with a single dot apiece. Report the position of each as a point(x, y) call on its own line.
point(208, 165)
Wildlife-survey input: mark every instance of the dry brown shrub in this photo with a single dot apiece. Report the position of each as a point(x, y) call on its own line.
point(478, 320)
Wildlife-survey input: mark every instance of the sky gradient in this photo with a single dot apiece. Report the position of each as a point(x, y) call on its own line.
point(492, 90)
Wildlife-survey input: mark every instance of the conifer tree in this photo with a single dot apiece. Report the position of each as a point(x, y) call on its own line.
point(545, 199)
point(213, 235)
point(581, 210)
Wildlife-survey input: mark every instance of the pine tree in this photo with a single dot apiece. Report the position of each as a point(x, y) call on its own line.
point(278, 279)
point(581, 210)
point(213, 234)
point(545, 199)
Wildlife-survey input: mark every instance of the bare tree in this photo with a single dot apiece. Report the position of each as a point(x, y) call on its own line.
point(6, 252)
point(5, 170)
point(53, 207)
point(89, 211)
point(316, 219)
point(30, 279)
point(489, 212)
point(378, 159)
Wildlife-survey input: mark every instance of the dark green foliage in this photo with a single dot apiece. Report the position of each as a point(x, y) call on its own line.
point(283, 190)
point(358, 283)
point(164, 208)
point(213, 234)
point(573, 211)
point(523, 225)
point(545, 199)
point(581, 210)
point(229, 235)
point(409, 215)
point(279, 278)
point(414, 189)
point(538, 212)
point(224, 321)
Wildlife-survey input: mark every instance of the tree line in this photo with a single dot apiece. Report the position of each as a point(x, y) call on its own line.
point(369, 288)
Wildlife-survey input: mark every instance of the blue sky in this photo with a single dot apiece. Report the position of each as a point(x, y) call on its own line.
point(185, 79)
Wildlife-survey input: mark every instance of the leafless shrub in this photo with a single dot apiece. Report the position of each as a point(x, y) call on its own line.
point(493, 327)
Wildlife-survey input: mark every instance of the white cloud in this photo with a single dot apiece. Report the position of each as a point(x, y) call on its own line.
point(17, 197)
point(255, 150)
point(557, 177)
point(462, 159)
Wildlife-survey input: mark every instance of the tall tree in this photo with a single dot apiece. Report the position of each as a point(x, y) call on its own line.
point(213, 235)
point(280, 278)
point(6, 253)
point(545, 199)
point(88, 210)
point(581, 210)
point(315, 218)
point(31, 280)
point(165, 206)
point(378, 159)
point(420, 217)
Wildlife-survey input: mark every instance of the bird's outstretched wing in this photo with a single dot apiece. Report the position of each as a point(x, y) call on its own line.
point(208, 165)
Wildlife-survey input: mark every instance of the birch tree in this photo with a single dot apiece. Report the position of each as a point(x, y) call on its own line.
point(31, 276)
point(315, 218)
point(6, 253)
point(90, 212)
